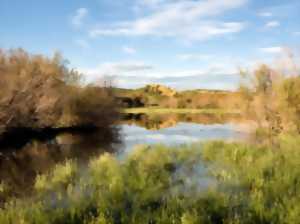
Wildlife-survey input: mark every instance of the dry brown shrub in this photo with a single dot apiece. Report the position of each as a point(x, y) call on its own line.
point(37, 92)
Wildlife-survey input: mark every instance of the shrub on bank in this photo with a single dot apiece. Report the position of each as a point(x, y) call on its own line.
point(271, 98)
point(39, 92)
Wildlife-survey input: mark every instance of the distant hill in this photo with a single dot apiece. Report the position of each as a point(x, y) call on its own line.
point(160, 90)
point(156, 95)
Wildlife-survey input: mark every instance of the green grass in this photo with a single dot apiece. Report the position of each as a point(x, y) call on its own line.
point(159, 184)
point(155, 110)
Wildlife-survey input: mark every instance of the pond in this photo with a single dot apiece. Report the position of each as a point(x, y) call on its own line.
point(182, 133)
point(21, 163)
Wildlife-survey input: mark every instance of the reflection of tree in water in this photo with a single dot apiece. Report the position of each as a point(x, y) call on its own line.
point(19, 167)
point(160, 121)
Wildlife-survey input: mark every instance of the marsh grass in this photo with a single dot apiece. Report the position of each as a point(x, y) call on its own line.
point(159, 184)
point(262, 182)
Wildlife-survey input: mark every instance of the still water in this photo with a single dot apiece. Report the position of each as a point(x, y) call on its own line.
point(21, 163)
point(182, 133)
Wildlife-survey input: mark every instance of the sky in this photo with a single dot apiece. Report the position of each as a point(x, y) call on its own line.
point(184, 44)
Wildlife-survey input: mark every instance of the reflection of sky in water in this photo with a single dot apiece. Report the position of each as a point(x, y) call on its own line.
point(198, 179)
point(179, 134)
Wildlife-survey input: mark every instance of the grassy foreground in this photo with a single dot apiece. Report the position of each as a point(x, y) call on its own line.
point(156, 110)
point(167, 185)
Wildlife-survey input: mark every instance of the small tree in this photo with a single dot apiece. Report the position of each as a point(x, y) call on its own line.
point(272, 98)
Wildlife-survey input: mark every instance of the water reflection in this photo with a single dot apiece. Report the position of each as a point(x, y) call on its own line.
point(19, 166)
point(182, 133)
point(177, 129)
point(22, 158)
point(160, 121)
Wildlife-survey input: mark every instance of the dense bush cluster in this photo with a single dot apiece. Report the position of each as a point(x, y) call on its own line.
point(38, 92)
point(271, 98)
point(261, 182)
point(212, 183)
point(189, 99)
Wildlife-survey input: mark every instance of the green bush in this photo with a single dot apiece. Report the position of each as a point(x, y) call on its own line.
point(262, 182)
point(159, 184)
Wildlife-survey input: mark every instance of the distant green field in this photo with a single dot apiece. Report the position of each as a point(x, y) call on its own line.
point(152, 110)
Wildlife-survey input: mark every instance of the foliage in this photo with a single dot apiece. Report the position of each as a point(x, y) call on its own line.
point(262, 182)
point(157, 110)
point(271, 97)
point(212, 183)
point(40, 92)
point(191, 99)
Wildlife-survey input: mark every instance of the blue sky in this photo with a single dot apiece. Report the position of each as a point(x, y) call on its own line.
point(180, 43)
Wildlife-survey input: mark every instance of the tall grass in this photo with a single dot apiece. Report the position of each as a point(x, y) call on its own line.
point(262, 182)
point(212, 183)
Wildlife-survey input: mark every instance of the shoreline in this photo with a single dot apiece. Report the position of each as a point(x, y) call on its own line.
point(156, 110)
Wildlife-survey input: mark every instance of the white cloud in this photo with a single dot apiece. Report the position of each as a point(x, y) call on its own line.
point(82, 43)
point(297, 33)
point(187, 19)
point(123, 68)
point(222, 73)
point(206, 81)
point(272, 24)
point(265, 14)
point(150, 3)
point(147, 71)
point(128, 50)
point(272, 50)
point(77, 19)
point(193, 57)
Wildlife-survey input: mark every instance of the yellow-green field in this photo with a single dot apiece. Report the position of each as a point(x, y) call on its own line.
point(152, 110)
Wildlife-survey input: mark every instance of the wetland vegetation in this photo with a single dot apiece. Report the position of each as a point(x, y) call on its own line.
point(215, 182)
point(43, 93)
point(63, 159)
point(150, 112)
